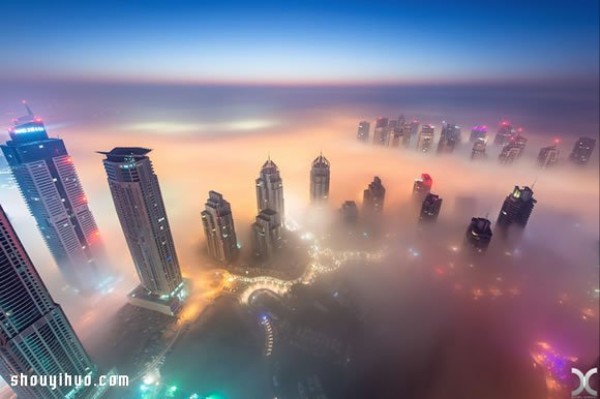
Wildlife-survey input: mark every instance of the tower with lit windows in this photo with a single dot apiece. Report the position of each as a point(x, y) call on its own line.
point(319, 179)
point(269, 189)
point(48, 181)
point(516, 209)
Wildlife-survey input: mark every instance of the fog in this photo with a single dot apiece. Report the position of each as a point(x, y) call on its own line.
point(442, 319)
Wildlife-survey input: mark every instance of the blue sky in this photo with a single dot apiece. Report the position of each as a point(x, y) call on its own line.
point(300, 42)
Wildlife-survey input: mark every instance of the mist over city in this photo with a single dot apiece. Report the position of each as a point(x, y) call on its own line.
point(380, 227)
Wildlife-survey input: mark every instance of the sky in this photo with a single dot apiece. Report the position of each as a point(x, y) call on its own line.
point(308, 42)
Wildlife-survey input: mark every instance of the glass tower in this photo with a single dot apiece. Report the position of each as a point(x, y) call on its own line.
point(319, 179)
point(217, 220)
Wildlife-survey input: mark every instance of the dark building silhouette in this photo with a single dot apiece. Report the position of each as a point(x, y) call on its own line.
point(349, 212)
point(363, 131)
point(504, 134)
point(267, 233)
point(430, 208)
point(319, 179)
point(478, 151)
point(582, 151)
point(381, 131)
point(479, 234)
point(516, 209)
point(513, 150)
point(422, 186)
point(449, 138)
point(478, 132)
point(373, 197)
point(548, 156)
point(219, 229)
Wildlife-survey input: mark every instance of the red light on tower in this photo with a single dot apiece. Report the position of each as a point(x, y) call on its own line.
point(557, 141)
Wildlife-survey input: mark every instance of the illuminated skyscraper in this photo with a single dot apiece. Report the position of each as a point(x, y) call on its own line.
point(504, 134)
point(548, 156)
point(349, 212)
point(139, 205)
point(422, 186)
point(35, 336)
point(430, 208)
point(319, 179)
point(269, 189)
point(267, 233)
point(516, 209)
point(373, 197)
point(582, 151)
point(478, 151)
point(479, 234)
point(381, 131)
point(449, 138)
point(477, 133)
point(50, 186)
point(425, 140)
point(219, 229)
point(363, 131)
point(513, 150)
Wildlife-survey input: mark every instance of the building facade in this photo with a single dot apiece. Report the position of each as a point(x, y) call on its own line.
point(582, 150)
point(267, 233)
point(479, 234)
point(219, 229)
point(517, 208)
point(269, 189)
point(374, 197)
point(425, 140)
point(320, 174)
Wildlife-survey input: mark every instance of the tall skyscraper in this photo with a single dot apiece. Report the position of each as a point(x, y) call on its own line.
point(582, 151)
point(449, 138)
point(517, 208)
point(319, 179)
point(269, 189)
point(219, 230)
point(267, 233)
point(349, 212)
point(381, 131)
point(504, 134)
point(373, 197)
point(478, 132)
point(479, 234)
point(478, 151)
point(425, 140)
point(430, 208)
point(139, 205)
point(363, 131)
point(513, 150)
point(35, 336)
point(548, 156)
point(422, 186)
point(50, 186)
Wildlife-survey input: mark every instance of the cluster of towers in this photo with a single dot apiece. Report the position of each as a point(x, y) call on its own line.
point(396, 132)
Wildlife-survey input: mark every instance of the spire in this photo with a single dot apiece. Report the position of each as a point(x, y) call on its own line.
point(27, 108)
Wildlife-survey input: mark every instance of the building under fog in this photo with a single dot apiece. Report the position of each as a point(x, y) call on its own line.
point(381, 131)
point(504, 134)
point(425, 140)
point(516, 209)
point(319, 179)
point(349, 212)
point(48, 181)
point(513, 150)
point(36, 339)
point(478, 151)
point(266, 233)
point(217, 219)
point(479, 234)
point(548, 156)
point(430, 209)
point(478, 132)
point(582, 150)
point(141, 211)
point(374, 197)
point(449, 138)
point(269, 189)
point(363, 131)
point(422, 186)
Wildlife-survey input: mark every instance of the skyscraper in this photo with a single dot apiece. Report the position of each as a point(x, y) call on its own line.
point(373, 197)
point(517, 208)
point(478, 132)
point(513, 150)
point(269, 189)
point(219, 229)
point(449, 138)
point(425, 140)
point(430, 208)
point(582, 151)
point(422, 186)
point(363, 131)
point(50, 186)
point(35, 336)
point(381, 131)
point(319, 179)
point(478, 151)
point(349, 212)
point(479, 234)
point(267, 233)
point(548, 156)
point(139, 205)
point(504, 133)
